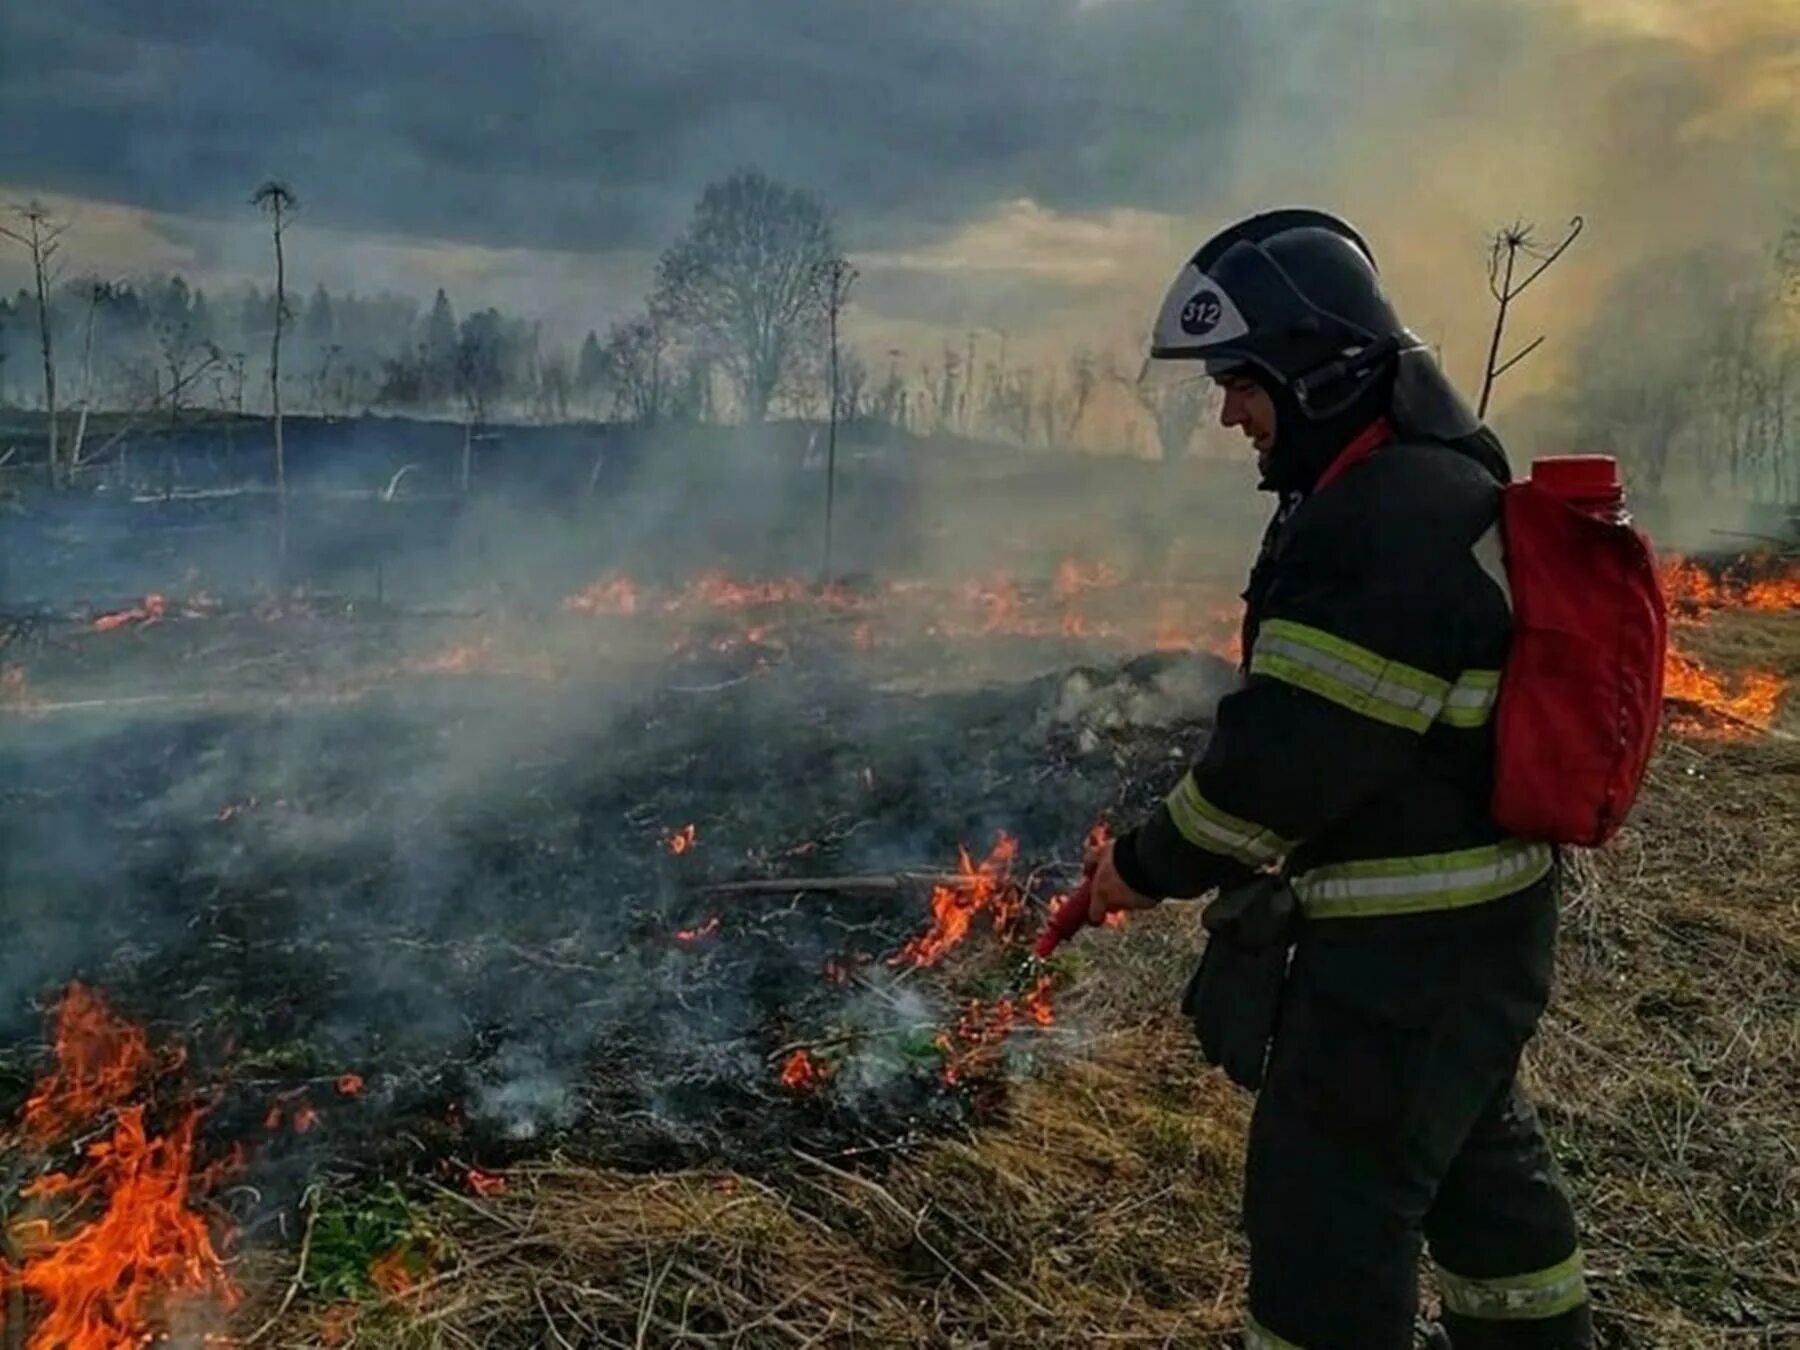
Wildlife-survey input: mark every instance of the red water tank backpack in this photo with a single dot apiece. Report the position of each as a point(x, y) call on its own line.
point(1580, 698)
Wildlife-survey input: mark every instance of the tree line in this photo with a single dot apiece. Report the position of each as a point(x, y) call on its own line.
point(1687, 369)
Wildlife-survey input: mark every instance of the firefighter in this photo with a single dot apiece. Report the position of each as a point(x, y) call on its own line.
point(1348, 780)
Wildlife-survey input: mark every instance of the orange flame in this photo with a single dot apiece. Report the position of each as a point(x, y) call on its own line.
point(392, 1273)
point(350, 1085)
point(800, 1072)
point(147, 613)
point(682, 840)
point(125, 1246)
point(987, 885)
point(609, 595)
point(1731, 709)
point(485, 1183)
point(1689, 586)
point(705, 930)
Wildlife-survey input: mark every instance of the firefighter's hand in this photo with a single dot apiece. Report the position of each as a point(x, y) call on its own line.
point(1110, 894)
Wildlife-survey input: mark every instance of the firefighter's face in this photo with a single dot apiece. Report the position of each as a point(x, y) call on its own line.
point(1249, 408)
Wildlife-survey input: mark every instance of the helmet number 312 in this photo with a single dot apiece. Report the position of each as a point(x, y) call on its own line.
point(1201, 314)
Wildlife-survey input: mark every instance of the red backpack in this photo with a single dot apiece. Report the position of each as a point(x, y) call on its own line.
point(1580, 699)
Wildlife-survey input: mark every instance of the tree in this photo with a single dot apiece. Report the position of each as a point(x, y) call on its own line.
point(441, 339)
point(276, 198)
point(1503, 258)
point(97, 293)
point(744, 282)
point(837, 276)
point(480, 377)
point(1177, 406)
point(636, 361)
point(41, 233)
point(590, 368)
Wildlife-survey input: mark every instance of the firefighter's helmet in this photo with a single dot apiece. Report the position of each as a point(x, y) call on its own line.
point(1294, 293)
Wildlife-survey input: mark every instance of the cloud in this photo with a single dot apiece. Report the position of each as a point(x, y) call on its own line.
point(570, 125)
point(1010, 164)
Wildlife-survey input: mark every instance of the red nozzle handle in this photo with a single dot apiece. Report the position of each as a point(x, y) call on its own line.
point(1066, 920)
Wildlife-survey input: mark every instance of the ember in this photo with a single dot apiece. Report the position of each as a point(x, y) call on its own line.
point(682, 840)
point(124, 1247)
point(350, 1085)
point(705, 930)
point(485, 1183)
point(800, 1072)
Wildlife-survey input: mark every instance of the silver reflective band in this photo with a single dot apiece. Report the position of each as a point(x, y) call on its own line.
point(1259, 1337)
point(1205, 826)
point(1517, 1298)
point(1471, 699)
point(1429, 881)
point(1351, 676)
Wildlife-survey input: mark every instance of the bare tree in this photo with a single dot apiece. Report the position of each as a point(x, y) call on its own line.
point(41, 233)
point(744, 281)
point(634, 362)
point(1505, 286)
point(1084, 378)
point(837, 277)
point(276, 198)
point(97, 293)
point(480, 378)
point(1177, 406)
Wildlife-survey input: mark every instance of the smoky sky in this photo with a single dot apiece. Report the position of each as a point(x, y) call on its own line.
point(584, 125)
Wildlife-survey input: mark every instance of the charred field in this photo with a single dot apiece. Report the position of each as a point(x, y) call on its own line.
point(639, 959)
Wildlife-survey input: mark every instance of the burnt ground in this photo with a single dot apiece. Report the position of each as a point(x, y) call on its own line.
point(280, 838)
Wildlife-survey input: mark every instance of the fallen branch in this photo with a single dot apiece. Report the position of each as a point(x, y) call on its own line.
point(878, 883)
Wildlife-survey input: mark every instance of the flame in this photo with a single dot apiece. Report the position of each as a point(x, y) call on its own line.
point(147, 613)
point(1732, 709)
point(1690, 587)
point(1035, 1002)
point(350, 1085)
point(800, 1072)
point(124, 1246)
point(705, 930)
point(100, 1059)
point(987, 885)
point(973, 1047)
point(392, 1273)
point(1187, 617)
point(1073, 577)
point(609, 595)
point(682, 840)
point(485, 1183)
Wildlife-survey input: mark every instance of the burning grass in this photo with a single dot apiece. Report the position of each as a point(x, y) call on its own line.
point(668, 1114)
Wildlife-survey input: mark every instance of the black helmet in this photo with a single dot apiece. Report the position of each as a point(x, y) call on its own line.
point(1294, 299)
point(1294, 293)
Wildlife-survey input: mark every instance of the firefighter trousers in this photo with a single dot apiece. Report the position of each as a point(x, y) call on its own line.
point(1390, 1117)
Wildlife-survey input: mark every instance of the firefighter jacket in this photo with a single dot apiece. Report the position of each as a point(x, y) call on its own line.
point(1357, 754)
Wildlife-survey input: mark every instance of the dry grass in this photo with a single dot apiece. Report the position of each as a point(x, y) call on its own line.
point(1103, 1207)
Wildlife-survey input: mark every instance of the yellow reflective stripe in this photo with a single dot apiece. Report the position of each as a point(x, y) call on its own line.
point(1351, 676)
point(1516, 1298)
point(1205, 826)
point(1259, 1337)
point(1379, 886)
point(1470, 701)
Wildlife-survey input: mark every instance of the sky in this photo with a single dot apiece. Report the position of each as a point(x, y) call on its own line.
point(1034, 167)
